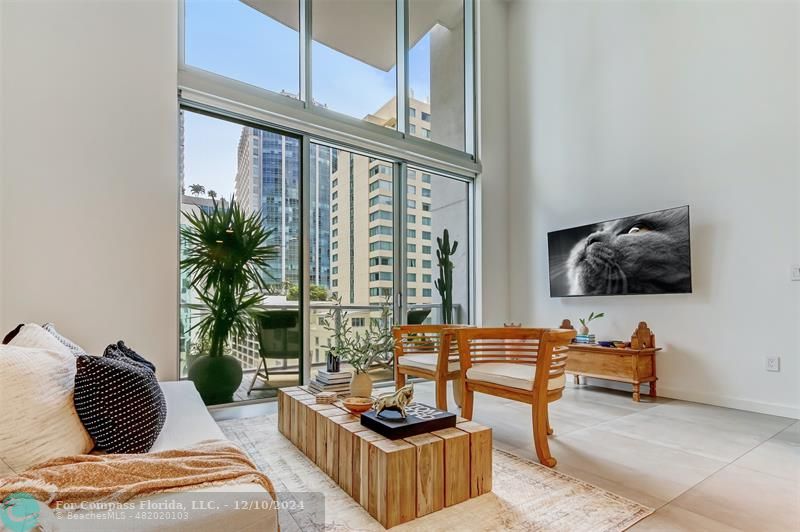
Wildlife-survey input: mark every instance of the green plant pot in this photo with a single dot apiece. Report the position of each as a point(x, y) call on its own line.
point(216, 378)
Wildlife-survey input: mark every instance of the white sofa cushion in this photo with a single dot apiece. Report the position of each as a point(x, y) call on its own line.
point(38, 420)
point(512, 375)
point(425, 362)
point(188, 421)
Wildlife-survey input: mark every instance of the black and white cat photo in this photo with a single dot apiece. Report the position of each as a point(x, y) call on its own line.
point(644, 254)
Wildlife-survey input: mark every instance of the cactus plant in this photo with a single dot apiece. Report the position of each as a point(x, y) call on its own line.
point(444, 284)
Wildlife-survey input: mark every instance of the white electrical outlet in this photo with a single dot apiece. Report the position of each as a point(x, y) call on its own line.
point(773, 363)
point(796, 272)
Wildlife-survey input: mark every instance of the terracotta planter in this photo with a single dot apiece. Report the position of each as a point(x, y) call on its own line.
point(361, 385)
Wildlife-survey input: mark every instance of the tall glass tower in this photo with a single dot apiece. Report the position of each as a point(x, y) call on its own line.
point(268, 179)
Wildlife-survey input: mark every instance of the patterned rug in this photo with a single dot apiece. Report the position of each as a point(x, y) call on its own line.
point(526, 496)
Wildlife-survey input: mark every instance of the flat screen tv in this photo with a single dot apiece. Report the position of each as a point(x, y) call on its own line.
point(644, 254)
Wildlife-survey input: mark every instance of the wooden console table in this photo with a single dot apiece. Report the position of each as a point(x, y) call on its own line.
point(635, 365)
point(394, 480)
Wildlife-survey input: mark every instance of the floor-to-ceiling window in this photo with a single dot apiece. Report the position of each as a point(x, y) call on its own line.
point(346, 125)
point(437, 204)
point(352, 241)
point(224, 161)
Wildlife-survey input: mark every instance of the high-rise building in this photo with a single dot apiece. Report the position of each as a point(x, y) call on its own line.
point(351, 221)
point(362, 206)
point(268, 180)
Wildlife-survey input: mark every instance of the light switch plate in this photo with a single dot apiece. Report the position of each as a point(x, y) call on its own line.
point(796, 272)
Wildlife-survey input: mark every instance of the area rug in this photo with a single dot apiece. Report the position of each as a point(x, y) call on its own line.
point(526, 496)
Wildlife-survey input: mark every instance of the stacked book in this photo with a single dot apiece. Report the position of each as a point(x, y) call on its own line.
point(585, 339)
point(338, 382)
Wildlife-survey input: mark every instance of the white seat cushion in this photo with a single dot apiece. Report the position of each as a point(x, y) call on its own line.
point(425, 362)
point(512, 375)
point(188, 421)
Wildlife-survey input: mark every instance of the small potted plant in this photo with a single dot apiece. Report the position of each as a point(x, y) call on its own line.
point(360, 350)
point(584, 330)
point(336, 323)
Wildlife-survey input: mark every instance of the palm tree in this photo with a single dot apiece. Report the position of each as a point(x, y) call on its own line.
point(226, 257)
point(196, 190)
point(212, 194)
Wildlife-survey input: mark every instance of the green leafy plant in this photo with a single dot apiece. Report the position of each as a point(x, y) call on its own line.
point(316, 293)
point(359, 349)
point(227, 257)
point(444, 284)
point(592, 316)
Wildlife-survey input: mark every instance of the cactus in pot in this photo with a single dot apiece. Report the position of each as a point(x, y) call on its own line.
point(444, 284)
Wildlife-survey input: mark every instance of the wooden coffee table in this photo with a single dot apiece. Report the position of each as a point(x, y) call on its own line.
point(394, 480)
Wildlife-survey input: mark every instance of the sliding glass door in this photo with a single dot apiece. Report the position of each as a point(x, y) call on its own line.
point(351, 282)
point(260, 169)
point(368, 226)
point(437, 204)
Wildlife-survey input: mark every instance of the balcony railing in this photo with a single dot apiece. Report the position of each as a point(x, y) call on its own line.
point(247, 349)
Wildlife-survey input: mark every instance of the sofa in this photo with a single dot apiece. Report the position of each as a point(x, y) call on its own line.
point(189, 422)
point(232, 507)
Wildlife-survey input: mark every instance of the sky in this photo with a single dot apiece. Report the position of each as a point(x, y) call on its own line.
point(236, 41)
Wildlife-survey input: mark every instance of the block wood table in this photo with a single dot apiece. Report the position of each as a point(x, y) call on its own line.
point(396, 481)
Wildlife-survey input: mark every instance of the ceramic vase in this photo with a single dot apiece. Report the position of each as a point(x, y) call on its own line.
point(332, 363)
point(361, 385)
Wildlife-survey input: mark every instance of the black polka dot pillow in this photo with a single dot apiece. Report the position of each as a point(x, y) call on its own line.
point(122, 351)
point(119, 402)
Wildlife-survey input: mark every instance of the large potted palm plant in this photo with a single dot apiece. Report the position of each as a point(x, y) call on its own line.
point(226, 260)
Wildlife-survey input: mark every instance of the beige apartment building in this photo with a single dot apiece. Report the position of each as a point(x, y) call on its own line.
point(359, 230)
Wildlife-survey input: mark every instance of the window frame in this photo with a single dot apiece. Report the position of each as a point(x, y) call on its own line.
point(217, 91)
point(228, 99)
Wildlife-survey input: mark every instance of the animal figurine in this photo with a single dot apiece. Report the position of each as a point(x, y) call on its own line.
point(397, 401)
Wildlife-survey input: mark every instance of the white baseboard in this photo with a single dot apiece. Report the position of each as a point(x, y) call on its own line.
point(775, 409)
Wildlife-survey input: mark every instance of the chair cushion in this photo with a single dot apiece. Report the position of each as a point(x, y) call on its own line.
point(427, 362)
point(512, 375)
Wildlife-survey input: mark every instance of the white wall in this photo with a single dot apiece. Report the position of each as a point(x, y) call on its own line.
point(492, 253)
point(2, 164)
point(89, 217)
point(626, 107)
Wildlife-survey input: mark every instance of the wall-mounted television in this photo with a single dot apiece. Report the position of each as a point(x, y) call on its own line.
point(644, 254)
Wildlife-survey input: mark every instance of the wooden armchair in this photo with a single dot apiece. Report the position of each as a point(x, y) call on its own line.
point(427, 351)
point(525, 365)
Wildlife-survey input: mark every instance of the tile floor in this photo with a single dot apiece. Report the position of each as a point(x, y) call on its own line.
point(703, 468)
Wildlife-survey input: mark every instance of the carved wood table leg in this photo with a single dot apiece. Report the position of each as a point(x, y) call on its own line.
point(653, 389)
point(636, 392)
point(577, 378)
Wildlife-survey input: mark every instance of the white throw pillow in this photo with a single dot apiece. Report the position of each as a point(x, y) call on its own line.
point(38, 420)
point(34, 335)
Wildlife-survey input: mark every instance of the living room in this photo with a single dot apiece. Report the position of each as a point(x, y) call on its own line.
point(416, 179)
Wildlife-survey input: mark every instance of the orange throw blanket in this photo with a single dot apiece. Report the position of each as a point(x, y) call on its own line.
point(121, 477)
